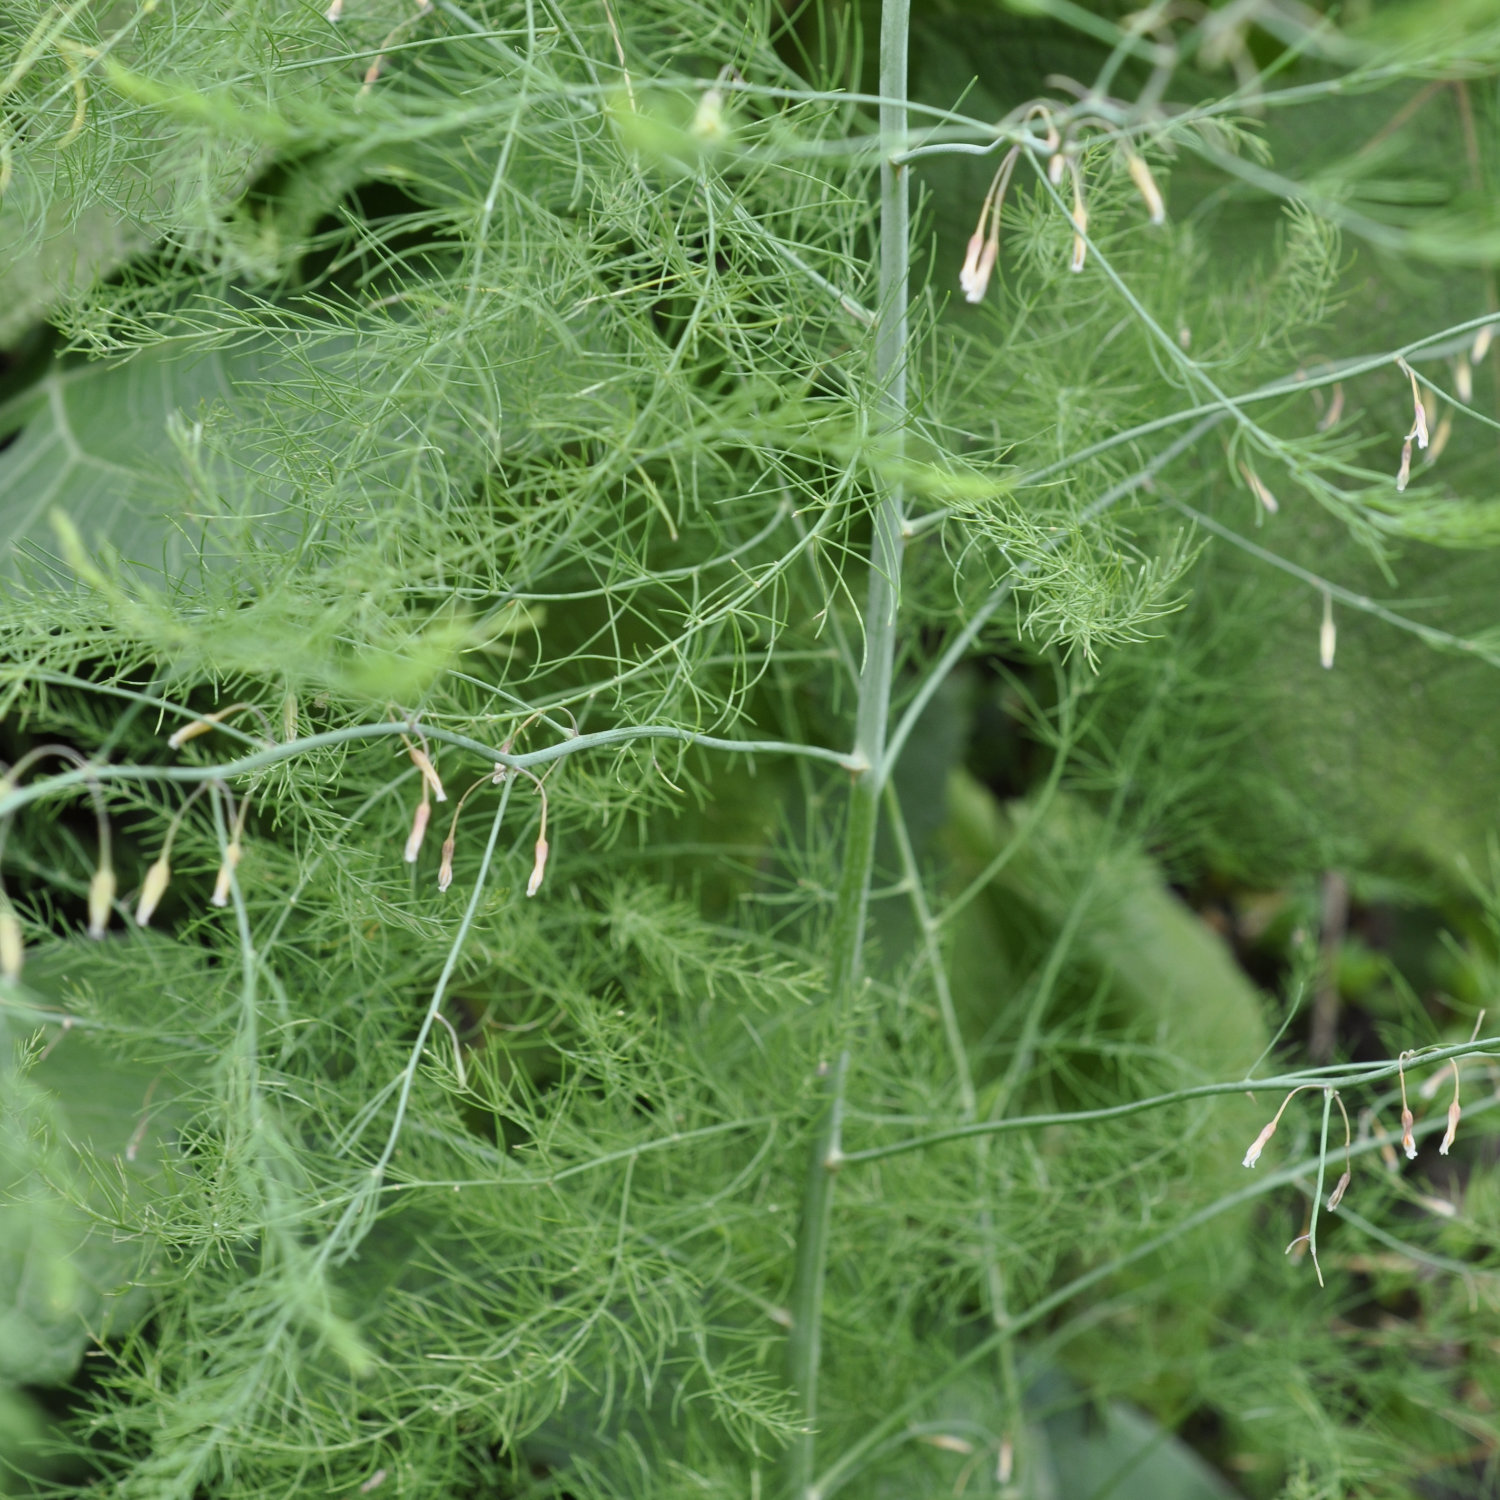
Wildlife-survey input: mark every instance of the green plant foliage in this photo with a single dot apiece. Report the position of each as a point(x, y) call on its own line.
point(653, 847)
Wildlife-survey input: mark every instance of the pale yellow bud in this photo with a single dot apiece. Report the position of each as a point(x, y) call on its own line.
point(1259, 1144)
point(1145, 185)
point(1080, 222)
point(539, 869)
point(1453, 1113)
point(12, 945)
point(1259, 489)
point(1482, 343)
point(979, 280)
point(970, 268)
point(1440, 437)
point(423, 763)
point(1404, 472)
point(418, 828)
point(153, 888)
point(1056, 165)
point(101, 900)
point(1463, 379)
point(1328, 634)
point(222, 881)
point(190, 732)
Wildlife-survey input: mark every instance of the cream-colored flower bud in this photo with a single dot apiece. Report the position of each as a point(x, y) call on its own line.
point(1463, 379)
point(1482, 341)
point(423, 762)
point(222, 881)
point(153, 888)
point(418, 828)
point(1327, 634)
point(968, 273)
point(1145, 185)
point(101, 900)
point(1081, 223)
point(1259, 1144)
point(1453, 1113)
point(1408, 1142)
point(191, 731)
point(539, 869)
point(1440, 437)
point(12, 945)
point(1260, 489)
point(1403, 474)
point(980, 280)
point(445, 865)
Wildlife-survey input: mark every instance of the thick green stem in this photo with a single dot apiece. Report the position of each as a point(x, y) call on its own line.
point(876, 671)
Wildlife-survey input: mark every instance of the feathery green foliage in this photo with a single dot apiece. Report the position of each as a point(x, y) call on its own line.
point(543, 442)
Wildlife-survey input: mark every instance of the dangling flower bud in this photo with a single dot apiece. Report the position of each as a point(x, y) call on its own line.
point(980, 280)
point(12, 945)
point(445, 865)
point(220, 896)
point(418, 828)
point(423, 762)
point(968, 275)
point(101, 900)
point(1482, 343)
point(1080, 221)
point(539, 869)
point(1328, 635)
point(1440, 438)
point(1419, 412)
point(1453, 1113)
point(1463, 379)
point(984, 249)
point(1408, 1142)
point(153, 888)
point(1259, 489)
point(1404, 472)
point(1056, 165)
point(1145, 185)
point(1337, 1195)
point(1259, 1143)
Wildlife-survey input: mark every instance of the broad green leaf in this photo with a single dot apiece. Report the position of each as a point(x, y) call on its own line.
point(99, 442)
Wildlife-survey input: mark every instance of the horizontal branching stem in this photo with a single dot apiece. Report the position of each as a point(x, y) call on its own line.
point(1348, 1076)
point(272, 755)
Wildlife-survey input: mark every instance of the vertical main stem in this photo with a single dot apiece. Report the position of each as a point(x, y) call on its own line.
point(846, 937)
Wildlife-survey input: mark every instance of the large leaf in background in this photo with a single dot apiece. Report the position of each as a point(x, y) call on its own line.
point(42, 263)
point(98, 442)
point(1165, 967)
point(83, 1134)
point(1115, 1452)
